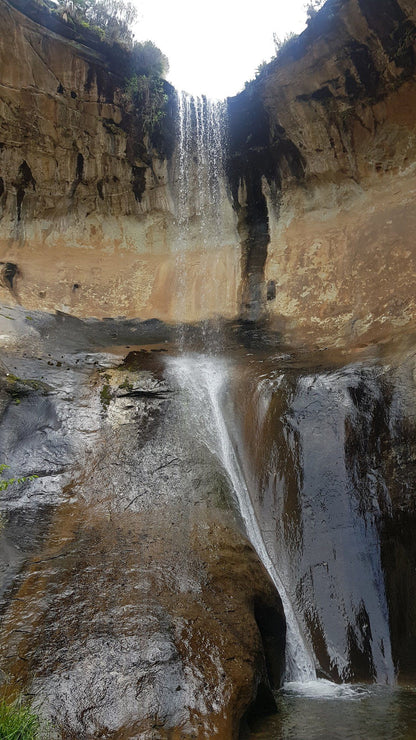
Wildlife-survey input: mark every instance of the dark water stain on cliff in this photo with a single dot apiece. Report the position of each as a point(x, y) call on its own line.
point(368, 74)
point(396, 32)
point(256, 155)
point(138, 182)
point(23, 181)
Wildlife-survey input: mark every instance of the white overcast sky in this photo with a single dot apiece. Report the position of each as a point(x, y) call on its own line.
point(214, 46)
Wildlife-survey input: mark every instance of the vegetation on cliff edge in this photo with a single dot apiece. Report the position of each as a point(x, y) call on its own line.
point(112, 18)
point(106, 26)
point(311, 8)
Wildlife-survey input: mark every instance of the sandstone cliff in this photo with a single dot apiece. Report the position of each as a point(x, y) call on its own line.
point(323, 157)
point(321, 172)
point(89, 220)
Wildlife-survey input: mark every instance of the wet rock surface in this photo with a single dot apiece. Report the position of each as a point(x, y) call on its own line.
point(133, 604)
point(332, 451)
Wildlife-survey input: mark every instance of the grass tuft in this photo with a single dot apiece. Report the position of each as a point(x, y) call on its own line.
point(18, 721)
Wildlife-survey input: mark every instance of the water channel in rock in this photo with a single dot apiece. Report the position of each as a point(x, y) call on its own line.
point(206, 381)
point(310, 453)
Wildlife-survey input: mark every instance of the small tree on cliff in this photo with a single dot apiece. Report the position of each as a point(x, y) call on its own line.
point(113, 18)
point(312, 8)
point(147, 59)
point(280, 44)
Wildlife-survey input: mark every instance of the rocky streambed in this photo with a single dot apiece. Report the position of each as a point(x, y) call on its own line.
point(133, 604)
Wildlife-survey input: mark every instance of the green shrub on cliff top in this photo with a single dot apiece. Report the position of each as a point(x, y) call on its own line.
point(312, 8)
point(147, 59)
point(147, 93)
point(113, 18)
point(280, 44)
point(145, 88)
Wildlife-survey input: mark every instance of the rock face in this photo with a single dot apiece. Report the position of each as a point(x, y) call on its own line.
point(89, 210)
point(331, 458)
point(133, 604)
point(323, 151)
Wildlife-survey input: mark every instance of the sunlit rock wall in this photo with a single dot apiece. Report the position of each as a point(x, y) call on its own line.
point(317, 219)
point(327, 135)
point(89, 220)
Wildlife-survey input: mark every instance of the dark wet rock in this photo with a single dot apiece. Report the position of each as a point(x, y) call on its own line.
point(9, 271)
point(124, 634)
point(334, 457)
point(138, 609)
point(133, 605)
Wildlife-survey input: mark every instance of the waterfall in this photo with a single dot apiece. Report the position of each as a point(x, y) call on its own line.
point(203, 211)
point(320, 550)
point(201, 193)
point(205, 380)
point(202, 147)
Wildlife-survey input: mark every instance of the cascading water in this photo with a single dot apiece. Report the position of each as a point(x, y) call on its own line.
point(200, 194)
point(321, 550)
point(205, 380)
point(300, 506)
point(201, 197)
point(202, 147)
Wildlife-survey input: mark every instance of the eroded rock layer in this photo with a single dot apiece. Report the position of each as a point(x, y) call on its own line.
point(90, 217)
point(321, 179)
point(323, 151)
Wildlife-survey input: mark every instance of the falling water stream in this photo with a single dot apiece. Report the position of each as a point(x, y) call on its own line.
point(205, 379)
point(201, 164)
point(201, 188)
point(311, 517)
point(199, 201)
